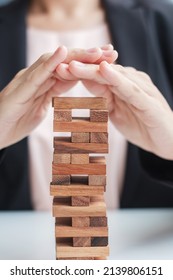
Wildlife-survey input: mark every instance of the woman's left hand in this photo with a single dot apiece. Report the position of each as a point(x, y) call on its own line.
point(136, 107)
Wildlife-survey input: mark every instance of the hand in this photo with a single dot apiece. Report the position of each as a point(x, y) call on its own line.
point(25, 100)
point(136, 106)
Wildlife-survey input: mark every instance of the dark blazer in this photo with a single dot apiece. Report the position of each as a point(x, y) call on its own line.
point(142, 33)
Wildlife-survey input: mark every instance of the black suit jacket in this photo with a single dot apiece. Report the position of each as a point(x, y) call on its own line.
point(142, 33)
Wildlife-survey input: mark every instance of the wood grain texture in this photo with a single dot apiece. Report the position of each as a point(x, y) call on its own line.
point(98, 221)
point(81, 242)
point(63, 115)
point(97, 180)
point(78, 137)
point(70, 231)
point(63, 145)
point(61, 179)
point(79, 158)
point(62, 208)
point(98, 137)
point(76, 190)
point(79, 103)
point(83, 169)
point(99, 116)
point(79, 208)
point(99, 241)
point(62, 158)
point(67, 251)
point(80, 222)
point(80, 200)
point(79, 125)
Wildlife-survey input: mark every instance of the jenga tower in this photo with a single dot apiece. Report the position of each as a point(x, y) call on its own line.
point(79, 179)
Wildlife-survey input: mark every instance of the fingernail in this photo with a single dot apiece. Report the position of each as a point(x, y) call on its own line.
point(107, 47)
point(92, 50)
point(107, 53)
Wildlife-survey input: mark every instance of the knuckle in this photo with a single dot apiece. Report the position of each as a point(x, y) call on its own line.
point(131, 69)
point(20, 73)
point(120, 67)
point(144, 75)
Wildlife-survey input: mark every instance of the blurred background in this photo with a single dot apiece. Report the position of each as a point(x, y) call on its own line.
point(6, 1)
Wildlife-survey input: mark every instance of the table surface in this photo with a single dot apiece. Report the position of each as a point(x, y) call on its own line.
point(133, 234)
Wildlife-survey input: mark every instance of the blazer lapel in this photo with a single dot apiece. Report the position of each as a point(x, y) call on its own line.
point(13, 41)
point(128, 32)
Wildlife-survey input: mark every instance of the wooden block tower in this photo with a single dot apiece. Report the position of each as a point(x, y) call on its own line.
point(79, 179)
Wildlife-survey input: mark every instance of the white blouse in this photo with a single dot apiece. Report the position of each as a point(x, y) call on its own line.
point(41, 139)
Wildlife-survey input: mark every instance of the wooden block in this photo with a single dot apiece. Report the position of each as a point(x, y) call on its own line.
point(63, 115)
point(63, 145)
point(99, 241)
point(98, 221)
point(65, 250)
point(77, 137)
point(79, 159)
point(79, 180)
point(62, 158)
point(61, 179)
point(80, 103)
point(97, 159)
point(80, 200)
point(97, 180)
point(63, 221)
point(68, 251)
point(80, 258)
point(81, 222)
point(98, 137)
point(81, 242)
point(83, 169)
point(79, 125)
point(76, 190)
point(99, 115)
point(62, 208)
point(70, 231)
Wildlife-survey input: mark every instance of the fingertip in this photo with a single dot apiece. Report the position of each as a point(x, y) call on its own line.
point(115, 55)
point(104, 64)
point(62, 65)
point(73, 64)
point(107, 70)
point(61, 51)
point(107, 47)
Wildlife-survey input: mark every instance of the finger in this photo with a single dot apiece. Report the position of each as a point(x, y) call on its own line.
point(93, 55)
point(142, 80)
point(87, 72)
point(63, 74)
point(61, 87)
point(48, 84)
point(124, 88)
point(95, 88)
point(107, 47)
point(39, 75)
point(108, 55)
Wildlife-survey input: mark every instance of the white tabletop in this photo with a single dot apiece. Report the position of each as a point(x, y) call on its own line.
point(133, 234)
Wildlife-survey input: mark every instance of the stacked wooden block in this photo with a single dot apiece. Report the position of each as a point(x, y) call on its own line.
point(79, 179)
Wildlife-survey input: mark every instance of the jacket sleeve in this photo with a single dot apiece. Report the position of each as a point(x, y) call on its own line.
point(157, 168)
point(161, 16)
